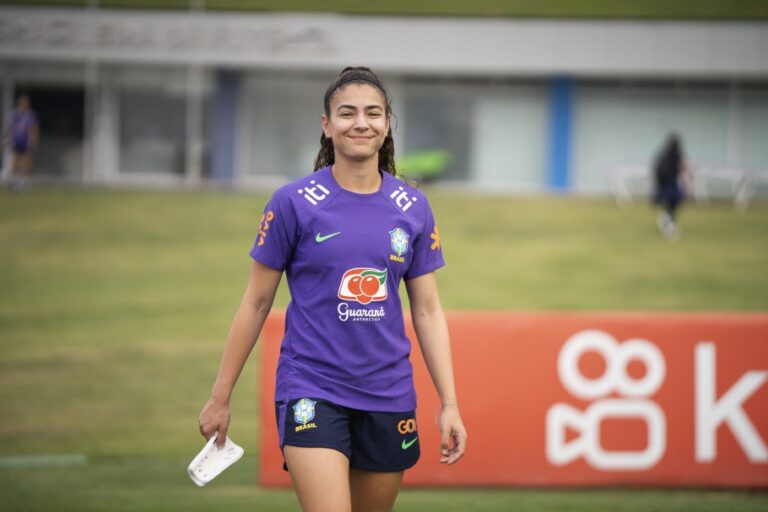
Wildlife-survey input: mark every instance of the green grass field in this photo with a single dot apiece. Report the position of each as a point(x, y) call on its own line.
point(114, 306)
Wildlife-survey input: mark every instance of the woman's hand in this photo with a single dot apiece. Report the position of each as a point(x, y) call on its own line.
point(215, 418)
point(453, 438)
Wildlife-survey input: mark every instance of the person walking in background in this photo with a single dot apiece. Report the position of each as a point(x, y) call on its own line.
point(669, 171)
point(22, 134)
point(346, 236)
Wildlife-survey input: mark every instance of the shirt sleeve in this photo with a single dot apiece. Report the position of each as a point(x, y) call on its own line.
point(278, 233)
point(427, 248)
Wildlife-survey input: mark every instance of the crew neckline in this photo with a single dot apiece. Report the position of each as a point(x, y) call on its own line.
point(329, 170)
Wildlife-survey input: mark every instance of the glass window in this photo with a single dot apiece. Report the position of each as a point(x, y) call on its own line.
point(753, 134)
point(280, 129)
point(4, 122)
point(753, 130)
point(437, 118)
point(152, 123)
point(493, 134)
point(509, 139)
point(488, 133)
point(627, 124)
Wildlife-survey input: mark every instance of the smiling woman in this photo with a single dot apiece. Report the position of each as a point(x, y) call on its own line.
point(346, 236)
point(359, 122)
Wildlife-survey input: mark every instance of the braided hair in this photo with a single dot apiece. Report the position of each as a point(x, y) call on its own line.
point(326, 155)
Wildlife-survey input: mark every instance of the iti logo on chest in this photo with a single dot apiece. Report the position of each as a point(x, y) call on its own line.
point(398, 240)
point(402, 199)
point(315, 193)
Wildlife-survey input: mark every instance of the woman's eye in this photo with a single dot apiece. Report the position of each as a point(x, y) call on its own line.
point(345, 114)
point(374, 114)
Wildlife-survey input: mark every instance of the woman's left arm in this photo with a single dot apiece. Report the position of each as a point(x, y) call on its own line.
point(432, 333)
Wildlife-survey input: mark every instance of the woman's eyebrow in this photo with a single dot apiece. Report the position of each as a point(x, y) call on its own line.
point(352, 107)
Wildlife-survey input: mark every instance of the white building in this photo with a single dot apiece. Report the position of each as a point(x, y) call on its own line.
point(515, 104)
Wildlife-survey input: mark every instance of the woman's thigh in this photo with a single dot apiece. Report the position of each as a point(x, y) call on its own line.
point(320, 478)
point(373, 491)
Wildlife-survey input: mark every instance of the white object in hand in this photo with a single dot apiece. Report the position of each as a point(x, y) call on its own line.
point(211, 460)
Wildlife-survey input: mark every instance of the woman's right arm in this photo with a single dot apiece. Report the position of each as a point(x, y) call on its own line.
point(246, 326)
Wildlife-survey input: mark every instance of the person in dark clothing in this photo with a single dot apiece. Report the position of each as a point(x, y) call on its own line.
point(668, 170)
point(22, 135)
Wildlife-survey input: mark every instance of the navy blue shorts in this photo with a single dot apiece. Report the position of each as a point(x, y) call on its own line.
point(372, 441)
point(20, 146)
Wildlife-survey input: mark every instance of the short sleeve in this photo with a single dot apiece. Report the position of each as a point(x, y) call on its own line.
point(278, 233)
point(427, 248)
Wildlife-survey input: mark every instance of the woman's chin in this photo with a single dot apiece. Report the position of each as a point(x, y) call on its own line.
point(357, 156)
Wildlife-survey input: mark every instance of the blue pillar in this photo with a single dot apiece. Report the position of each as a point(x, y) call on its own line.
point(224, 126)
point(560, 109)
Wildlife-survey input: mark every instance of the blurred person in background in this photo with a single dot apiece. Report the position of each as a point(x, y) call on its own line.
point(346, 236)
point(670, 174)
point(22, 135)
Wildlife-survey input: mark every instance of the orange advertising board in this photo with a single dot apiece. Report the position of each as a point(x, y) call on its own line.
point(586, 399)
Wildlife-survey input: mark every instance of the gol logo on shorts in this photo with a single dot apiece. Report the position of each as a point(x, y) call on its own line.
point(364, 285)
point(406, 426)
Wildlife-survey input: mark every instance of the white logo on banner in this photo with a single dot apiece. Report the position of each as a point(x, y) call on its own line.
point(633, 403)
point(711, 413)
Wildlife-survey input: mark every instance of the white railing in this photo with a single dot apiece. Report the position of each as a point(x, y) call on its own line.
point(632, 180)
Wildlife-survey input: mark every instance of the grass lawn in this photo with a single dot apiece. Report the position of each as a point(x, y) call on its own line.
point(114, 307)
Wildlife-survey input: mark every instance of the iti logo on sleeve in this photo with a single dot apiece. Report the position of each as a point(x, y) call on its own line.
point(364, 285)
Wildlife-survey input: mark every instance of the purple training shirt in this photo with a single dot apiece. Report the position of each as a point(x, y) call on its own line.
point(21, 129)
point(344, 255)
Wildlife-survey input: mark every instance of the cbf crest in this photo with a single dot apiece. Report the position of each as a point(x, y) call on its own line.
point(399, 241)
point(304, 411)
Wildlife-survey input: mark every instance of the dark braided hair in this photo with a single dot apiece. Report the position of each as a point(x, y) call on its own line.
point(326, 155)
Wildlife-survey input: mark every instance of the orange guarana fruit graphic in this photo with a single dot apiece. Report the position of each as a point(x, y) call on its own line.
point(363, 285)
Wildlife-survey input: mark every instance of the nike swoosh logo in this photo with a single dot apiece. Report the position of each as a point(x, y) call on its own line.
point(408, 444)
point(322, 238)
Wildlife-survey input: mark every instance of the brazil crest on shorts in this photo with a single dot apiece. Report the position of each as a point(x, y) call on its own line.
point(304, 411)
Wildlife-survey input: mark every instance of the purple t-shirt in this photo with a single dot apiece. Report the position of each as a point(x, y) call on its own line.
point(344, 255)
point(21, 128)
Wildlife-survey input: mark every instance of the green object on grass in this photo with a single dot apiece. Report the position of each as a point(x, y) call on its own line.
point(424, 165)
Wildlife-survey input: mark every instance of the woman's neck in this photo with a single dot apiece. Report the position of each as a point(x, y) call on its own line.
point(358, 177)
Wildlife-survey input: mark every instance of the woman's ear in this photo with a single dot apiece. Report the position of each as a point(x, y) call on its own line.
point(326, 126)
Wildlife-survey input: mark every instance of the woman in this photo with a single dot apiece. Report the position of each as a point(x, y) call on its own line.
point(345, 236)
point(22, 135)
point(669, 169)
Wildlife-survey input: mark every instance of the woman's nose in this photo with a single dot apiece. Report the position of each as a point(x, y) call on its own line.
point(361, 123)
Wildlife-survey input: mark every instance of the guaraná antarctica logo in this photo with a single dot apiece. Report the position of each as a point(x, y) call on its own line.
point(362, 285)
